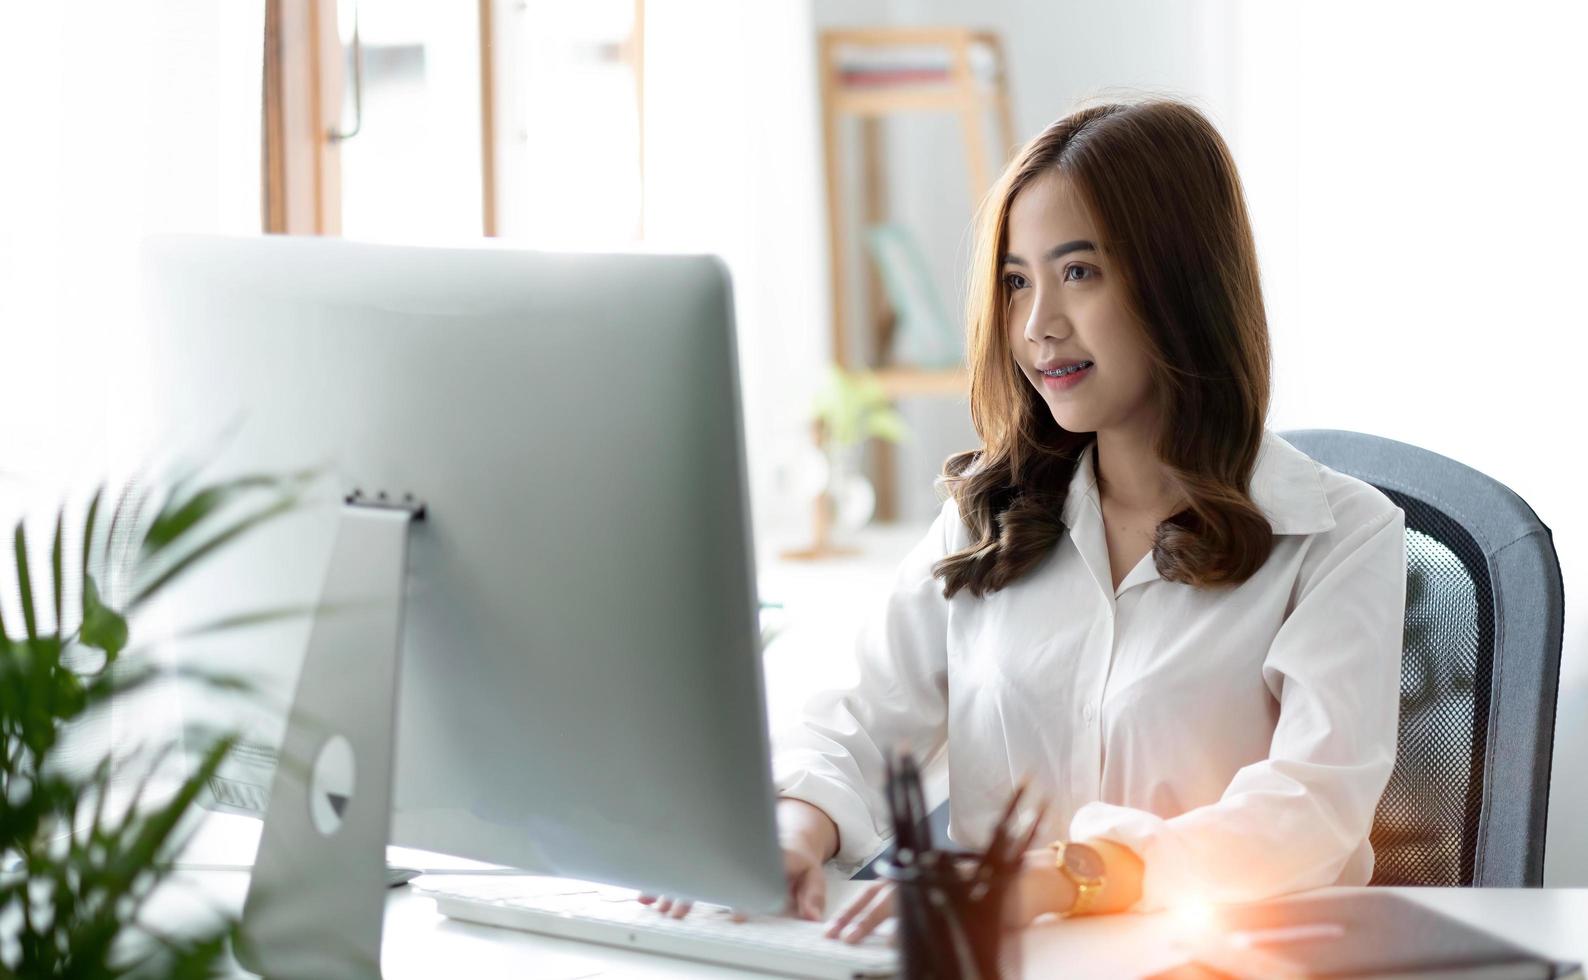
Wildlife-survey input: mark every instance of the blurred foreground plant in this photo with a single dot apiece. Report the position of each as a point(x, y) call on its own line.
point(79, 863)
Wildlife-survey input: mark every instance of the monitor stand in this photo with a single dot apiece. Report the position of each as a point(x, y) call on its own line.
point(317, 897)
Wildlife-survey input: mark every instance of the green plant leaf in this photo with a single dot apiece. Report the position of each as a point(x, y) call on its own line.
point(855, 406)
point(90, 521)
point(127, 502)
point(121, 865)
point(88, 890)
point(200, 958)
point(265, 617)
point(887, 424)
point(41, 714)
point(103, 628)
point(69, 698)
point(205, 548)
point(56, 580)
point(25, 583)
point(88, 525)
point(185, 468)
point(129, 677)
point(152, 831)
point(869, 391)
point(176, 519)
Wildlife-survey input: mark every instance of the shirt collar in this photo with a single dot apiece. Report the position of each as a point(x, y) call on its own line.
point(1288, 489)
point(1083, 488)
point(1285, 486)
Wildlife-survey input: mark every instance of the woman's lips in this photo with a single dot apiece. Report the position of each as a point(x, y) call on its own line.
point(1067, 381)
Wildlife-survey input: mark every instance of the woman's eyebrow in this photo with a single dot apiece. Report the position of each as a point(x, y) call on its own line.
point(1079, 245)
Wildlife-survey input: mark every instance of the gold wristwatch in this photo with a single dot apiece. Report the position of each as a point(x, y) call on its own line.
point(1084, 867)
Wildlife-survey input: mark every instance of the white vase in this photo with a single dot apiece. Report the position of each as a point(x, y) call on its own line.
point(854, 499)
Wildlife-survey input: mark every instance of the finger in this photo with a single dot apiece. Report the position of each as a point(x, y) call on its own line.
point(647, 899)
point(738, 916)
point(796, 885)
point(853, 909)
point(664, 905)
point(682, 909)
point(879, 912)
point(807, 896)
point(807, 886)
point(810, 896)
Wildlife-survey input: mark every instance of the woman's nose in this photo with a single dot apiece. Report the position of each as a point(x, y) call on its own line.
point(1046, 322)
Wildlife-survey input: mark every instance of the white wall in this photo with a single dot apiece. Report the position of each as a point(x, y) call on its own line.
point(1415, 171)
point(733, 166)
point(119, 121)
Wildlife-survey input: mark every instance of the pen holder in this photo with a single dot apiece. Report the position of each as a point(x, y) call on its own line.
point(951, 918)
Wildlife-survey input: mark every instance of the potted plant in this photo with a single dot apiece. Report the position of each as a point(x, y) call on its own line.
point(850, 408)
point(81, 856)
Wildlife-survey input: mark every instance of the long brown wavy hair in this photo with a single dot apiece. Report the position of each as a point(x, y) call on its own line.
point(1162, 189)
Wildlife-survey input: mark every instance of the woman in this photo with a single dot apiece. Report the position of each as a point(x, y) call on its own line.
point(1186, 633)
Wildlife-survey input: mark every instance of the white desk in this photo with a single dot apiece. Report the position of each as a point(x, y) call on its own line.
point(419, 943)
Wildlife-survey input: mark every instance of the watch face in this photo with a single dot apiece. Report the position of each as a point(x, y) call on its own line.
point(1082, 861)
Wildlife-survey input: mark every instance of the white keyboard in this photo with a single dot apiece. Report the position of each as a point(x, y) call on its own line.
point(590, 912)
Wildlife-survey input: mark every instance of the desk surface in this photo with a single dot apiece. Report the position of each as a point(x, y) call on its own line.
point(418, 942)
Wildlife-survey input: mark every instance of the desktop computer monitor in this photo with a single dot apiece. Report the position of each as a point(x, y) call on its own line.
point(581, 688)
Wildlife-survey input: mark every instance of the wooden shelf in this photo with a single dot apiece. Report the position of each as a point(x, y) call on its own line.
point(884, 101)
point(912, 36)
point(977, 96)
point(904, 382)
point(974, 91)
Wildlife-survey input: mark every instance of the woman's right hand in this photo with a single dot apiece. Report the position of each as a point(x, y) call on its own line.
point(807, 885)
point(808, 837)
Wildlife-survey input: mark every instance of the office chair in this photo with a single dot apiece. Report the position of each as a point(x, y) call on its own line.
point(1467, 800)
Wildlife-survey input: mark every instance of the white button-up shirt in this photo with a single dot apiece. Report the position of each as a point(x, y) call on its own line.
point(1236, 739)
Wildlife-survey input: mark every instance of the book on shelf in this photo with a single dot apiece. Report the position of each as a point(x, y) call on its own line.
point(925, 335)
point(868, 78)
point(902, 62)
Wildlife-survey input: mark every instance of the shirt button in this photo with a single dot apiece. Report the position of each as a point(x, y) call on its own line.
point(1089, 712)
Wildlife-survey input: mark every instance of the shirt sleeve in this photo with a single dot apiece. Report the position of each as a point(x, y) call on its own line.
point(833, 758)
point(1293, 820)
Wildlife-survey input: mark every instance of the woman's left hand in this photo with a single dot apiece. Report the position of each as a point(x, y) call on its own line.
point(870, 909)
point(1038, 889)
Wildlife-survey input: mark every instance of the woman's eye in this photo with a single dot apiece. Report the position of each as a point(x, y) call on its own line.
point(1015, 280)
point(1073, 268)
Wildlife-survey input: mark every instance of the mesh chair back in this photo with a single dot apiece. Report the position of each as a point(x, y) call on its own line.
point(1466, 802)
